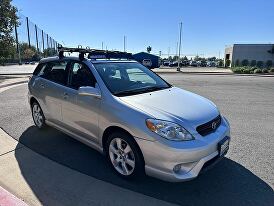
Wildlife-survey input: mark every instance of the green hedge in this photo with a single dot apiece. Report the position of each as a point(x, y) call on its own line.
point(250, 70)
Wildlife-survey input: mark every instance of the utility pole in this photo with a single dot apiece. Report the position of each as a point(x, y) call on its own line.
point(177, 49)
point(168, 51)
point(17, 45)
point(27, 18)
point(43, 43)
point(36, 35)
point(178, 69)
point(124, 43)
point(102, 45)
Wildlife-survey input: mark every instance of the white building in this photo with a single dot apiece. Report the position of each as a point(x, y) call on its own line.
point(258, 52)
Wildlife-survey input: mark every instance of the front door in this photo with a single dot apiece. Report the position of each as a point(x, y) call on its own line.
point(80, 113)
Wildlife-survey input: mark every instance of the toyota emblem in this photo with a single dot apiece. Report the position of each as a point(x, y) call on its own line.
point(214, 124)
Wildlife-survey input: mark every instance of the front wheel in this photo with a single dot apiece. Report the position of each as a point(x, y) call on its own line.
point(38, 116)
point(124, 155)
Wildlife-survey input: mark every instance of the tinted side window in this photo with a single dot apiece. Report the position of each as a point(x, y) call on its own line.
point(38, 69)
point(55, 71)
point(80, 75)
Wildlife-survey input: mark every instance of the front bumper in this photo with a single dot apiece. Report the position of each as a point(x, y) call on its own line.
point(161, 158)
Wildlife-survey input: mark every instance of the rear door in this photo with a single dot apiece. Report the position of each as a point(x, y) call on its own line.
point(80, 113)
point(52, 82)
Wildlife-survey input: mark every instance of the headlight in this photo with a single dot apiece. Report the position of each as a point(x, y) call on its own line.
point(168, 130)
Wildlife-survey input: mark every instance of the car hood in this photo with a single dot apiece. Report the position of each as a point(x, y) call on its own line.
point(176, 105)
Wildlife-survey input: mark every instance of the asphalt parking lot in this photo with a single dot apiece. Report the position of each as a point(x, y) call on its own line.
point(244, 177)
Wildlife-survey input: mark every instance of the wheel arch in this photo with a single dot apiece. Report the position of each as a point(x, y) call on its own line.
point(32, 100)
point(112, 129)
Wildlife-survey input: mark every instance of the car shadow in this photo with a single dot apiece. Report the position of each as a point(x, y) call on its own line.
point(228, 183)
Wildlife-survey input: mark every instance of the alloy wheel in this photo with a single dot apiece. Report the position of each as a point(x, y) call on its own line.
point(122, 156)
point(37, 115)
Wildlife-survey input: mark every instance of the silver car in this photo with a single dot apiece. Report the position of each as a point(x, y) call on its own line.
point(140, 122)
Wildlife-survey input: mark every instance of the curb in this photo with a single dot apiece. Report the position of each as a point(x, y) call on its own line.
point(8, 199)
point(5, 74)
point(10, 84)
point(217, 73)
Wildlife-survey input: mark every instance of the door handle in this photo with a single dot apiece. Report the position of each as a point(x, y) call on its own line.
point(65, 95)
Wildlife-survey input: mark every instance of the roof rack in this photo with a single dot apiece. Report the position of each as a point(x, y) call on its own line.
point(94, 53)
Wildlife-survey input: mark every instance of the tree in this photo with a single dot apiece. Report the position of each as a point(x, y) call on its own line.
point(185, 58)
point(149, 49)
point(220, 63)
point(49, 52)
point(211, 59)
point(8, 21)
point(227, 63)
point(27, 51)
point(175, 58)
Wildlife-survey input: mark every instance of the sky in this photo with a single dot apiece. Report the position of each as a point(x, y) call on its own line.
point(208, 25)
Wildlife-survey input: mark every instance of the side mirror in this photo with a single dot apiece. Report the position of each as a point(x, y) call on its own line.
point(89, 91)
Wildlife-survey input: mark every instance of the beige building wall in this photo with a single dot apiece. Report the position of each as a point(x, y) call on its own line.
point(258, 52)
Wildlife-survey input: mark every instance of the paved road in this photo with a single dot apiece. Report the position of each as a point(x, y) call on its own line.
point(245, 177)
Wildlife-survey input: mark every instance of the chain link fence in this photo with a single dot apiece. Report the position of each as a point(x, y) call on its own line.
point(31, 42)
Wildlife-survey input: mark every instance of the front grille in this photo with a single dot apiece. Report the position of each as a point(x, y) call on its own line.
point(210, 126)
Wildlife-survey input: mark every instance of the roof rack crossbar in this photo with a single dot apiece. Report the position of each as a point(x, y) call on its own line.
point(95, 53)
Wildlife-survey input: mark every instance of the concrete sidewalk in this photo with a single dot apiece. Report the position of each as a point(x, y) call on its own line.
point(39, 181)
point(17, 69)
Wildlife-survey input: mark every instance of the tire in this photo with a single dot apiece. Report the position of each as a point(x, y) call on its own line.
point(38, 116)
point(124, 155)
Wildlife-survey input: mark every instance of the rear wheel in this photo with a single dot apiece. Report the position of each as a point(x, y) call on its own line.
point(38, 116)
point(124, 155)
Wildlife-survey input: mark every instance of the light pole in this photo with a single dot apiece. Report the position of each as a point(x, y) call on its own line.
point(178, 69)
point(124, 43)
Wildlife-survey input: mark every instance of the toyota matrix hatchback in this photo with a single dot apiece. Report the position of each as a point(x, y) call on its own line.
point(140, 122)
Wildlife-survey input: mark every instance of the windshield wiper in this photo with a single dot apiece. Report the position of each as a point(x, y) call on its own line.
point(139, 91)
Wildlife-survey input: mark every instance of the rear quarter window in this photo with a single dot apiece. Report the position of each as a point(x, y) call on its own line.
point(38, 69)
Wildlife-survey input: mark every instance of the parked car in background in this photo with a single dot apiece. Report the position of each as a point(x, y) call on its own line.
point(193, 63)
point(186, 62)
point(172, 64)
point(211, 64)
point(202, 64)
point(166, 64)
point(175, 64)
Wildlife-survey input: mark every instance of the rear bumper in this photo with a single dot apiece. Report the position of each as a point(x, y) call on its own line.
point(193, 156)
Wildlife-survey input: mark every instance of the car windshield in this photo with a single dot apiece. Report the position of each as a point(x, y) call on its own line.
point(129, 78)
